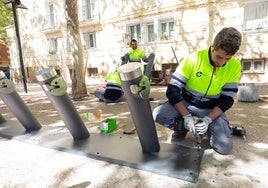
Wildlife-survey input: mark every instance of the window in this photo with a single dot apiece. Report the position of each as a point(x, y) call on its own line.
point(255, 15)
point(150, 32)
point(167, 30)
point(92, 71)
point(53, 45)
point(253, 65)
point(50, 18)
point(89, 40)
point(87, 9)
point(134, 32)
point(68, 45)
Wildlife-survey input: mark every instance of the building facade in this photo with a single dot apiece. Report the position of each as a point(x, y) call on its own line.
point(106, 27)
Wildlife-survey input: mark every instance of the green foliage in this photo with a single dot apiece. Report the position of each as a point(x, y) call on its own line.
point(6, 18)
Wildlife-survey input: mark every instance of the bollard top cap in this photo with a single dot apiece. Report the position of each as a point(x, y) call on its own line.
point(45, 74)
point(130, 71)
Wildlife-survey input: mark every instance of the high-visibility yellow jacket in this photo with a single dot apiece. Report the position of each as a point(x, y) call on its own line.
point(113, 89)
point(197, 81)
point(113, 78)
point(136, 55)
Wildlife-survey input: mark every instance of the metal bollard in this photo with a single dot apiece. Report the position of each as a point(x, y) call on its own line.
point(16, 104)
point(136, 87)
point(149, 67)
point(55, 88)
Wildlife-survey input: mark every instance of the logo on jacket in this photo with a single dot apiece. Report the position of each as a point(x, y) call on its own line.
point(198, 74)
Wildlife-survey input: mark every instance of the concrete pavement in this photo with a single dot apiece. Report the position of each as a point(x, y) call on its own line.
point(26, 165)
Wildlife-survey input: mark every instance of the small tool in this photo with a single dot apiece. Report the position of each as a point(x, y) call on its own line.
point(239, 130)
point(198, 140)
point(198, 137)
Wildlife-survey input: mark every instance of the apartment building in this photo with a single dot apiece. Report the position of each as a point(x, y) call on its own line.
point(106, 27)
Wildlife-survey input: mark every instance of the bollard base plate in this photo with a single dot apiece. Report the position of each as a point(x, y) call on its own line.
point(172, 160)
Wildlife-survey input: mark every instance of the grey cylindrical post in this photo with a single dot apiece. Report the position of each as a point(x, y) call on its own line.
point(139, 106)
point(55, 88)
point(2, 119)
point(149, 66)
point(16, 104)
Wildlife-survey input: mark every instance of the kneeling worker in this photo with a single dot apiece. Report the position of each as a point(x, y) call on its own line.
point(204, 85)
point(113, 92)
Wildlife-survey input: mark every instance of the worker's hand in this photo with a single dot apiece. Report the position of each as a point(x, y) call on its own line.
point(189, 123)
point(145, 59)
point(201, 125)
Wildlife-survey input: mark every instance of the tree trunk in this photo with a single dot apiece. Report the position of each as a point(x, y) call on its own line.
point(79, 89)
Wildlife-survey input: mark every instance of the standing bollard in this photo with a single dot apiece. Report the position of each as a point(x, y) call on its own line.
point(136, 87)
point(149, 67)
point(2, 119)
point(55, 88)
point(16, 104)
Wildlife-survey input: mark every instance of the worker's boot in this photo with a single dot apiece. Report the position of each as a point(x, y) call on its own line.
point(179, 131)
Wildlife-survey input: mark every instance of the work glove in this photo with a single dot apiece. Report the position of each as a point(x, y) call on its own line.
point(145, 59)
point(189, 123)
point(201, 125)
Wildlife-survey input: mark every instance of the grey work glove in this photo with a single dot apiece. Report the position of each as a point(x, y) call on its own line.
point(201, 125)
point(189, 123)
point(145, 59)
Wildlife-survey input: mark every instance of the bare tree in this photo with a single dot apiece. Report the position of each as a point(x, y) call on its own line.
point(79, 89)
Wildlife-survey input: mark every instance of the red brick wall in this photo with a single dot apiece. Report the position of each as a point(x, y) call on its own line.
point(4, 56)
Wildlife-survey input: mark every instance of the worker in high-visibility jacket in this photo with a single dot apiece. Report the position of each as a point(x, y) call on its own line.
point(203, 86)
point(112, 92)
point(134, 54)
